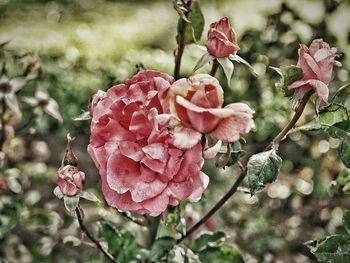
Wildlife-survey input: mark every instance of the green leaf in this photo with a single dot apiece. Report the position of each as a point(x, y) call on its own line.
point(333, 249)
point(208, 240)
point(345, 151)
point(206, 58)
point(181, 254)
point(263, 168)
point(346, 220)
point(313, 125)
point(221, 254)
point(160, 248)
point(228, 67)
point(335, 120)
point(121, 244)
point(241, 60)
point(289, 74)
point(195, 26)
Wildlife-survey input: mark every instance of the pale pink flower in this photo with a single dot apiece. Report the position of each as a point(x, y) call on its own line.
point(222, 40)
point(197, 102)
point(141, 169)
point(316, 63)
point(70, 180)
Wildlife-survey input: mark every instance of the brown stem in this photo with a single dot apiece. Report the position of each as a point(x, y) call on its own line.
point(276, 141)
point(214, 68)
point(216, 207)
point(153, 227)
point(182, 42)
point(91, 237)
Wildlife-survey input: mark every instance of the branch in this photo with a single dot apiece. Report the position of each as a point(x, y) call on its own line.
point(216, 207)
point(182, 42)
point(91, 237)
point(214, 68)
point(276, 141)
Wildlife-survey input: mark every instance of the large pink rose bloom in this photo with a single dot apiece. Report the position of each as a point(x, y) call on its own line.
point(222, 40)
point(141, 169)
point(197, 102)
point(316, 63)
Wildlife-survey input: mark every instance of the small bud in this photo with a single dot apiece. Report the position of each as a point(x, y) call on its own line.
point(70, 180)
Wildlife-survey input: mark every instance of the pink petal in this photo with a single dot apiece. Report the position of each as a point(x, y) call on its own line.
point(131, 150)
point(200, 183)
point(122, 172)
point(140, 125)
point(185, 138)
point(143, 191)
point(156, 151)
point(154, 165)
point(173, 164)
point(212, 151)
point(156, 205)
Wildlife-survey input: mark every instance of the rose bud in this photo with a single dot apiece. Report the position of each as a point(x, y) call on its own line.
point(70, 180)
point(316, 63)
point(222, 40)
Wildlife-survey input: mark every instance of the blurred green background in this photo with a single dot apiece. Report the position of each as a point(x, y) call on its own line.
point(87, 45)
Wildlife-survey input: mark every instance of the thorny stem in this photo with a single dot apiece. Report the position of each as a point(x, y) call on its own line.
point(91, 237)
point(275, 142)
point(182, 42)
point(214, 68)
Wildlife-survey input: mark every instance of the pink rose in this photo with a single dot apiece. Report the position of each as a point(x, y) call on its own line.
point(316, 63)
point(70, 180)
point(222, 40)
point(141, 169)
point(197, 102)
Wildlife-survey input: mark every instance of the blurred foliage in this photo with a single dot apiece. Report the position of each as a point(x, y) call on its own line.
point(87, 45)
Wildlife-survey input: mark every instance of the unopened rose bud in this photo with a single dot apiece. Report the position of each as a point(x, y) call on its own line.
point(70, 180)
point(222, 40)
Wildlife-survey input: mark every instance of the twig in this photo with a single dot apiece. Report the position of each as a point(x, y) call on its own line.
point(216, 207)
point(214, 68)
point(182, 42)
point(91, 237)
point(276, 141)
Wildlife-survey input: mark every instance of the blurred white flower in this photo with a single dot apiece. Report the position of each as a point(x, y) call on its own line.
point(8, 89)
point(44, 103)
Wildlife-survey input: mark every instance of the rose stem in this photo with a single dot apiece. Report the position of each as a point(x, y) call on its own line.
point(182, 43)
point(91, 237)
point(275, 142)
point(153, 227)
point(214, 67)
